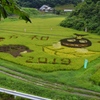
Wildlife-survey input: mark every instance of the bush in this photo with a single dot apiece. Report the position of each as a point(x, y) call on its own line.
point(31, 11)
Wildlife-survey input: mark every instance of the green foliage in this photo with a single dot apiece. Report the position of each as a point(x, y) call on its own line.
point(86, 15)
point(39, 3)
point(96, 77)
point(4, 96)
point(10, 6)
point(31, 11)
point(62, 7)
point(2, 11)
point(73, 23)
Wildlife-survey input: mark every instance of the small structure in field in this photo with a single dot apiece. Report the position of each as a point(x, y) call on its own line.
point(57, 45)
point(68, 10)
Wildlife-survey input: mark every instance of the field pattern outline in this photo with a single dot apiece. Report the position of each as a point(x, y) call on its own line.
point(56, 48)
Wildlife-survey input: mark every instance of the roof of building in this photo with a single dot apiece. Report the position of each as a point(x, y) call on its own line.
point(45, 7)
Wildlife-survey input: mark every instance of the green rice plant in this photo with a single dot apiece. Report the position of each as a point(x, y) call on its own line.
point(40, 36)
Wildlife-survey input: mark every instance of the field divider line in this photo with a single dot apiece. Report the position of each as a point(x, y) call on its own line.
point(31, 33)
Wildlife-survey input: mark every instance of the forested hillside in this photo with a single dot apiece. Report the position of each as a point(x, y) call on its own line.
point(39, 3)
point(85, 17)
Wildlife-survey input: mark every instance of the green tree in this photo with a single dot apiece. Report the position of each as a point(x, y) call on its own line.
point(86, 17)
point(39, 3)
point(11, 6)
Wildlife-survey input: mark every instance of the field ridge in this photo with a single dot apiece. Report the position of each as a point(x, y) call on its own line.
point(47, 84)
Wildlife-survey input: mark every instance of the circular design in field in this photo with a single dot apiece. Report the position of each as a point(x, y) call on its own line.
point(14, 50)
point(77, 42)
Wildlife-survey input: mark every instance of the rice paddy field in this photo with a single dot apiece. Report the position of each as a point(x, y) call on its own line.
point(35, 49)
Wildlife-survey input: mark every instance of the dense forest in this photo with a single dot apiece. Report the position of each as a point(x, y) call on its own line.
point(85, 17)
point(39, 3)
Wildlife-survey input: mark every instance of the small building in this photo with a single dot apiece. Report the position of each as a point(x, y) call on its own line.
point(68, 10)
point(45, 8)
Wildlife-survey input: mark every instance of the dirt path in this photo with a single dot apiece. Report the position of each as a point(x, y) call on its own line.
point(47, 84)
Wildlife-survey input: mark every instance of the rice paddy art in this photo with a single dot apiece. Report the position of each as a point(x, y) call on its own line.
point(14, 50)
point(47, 50)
